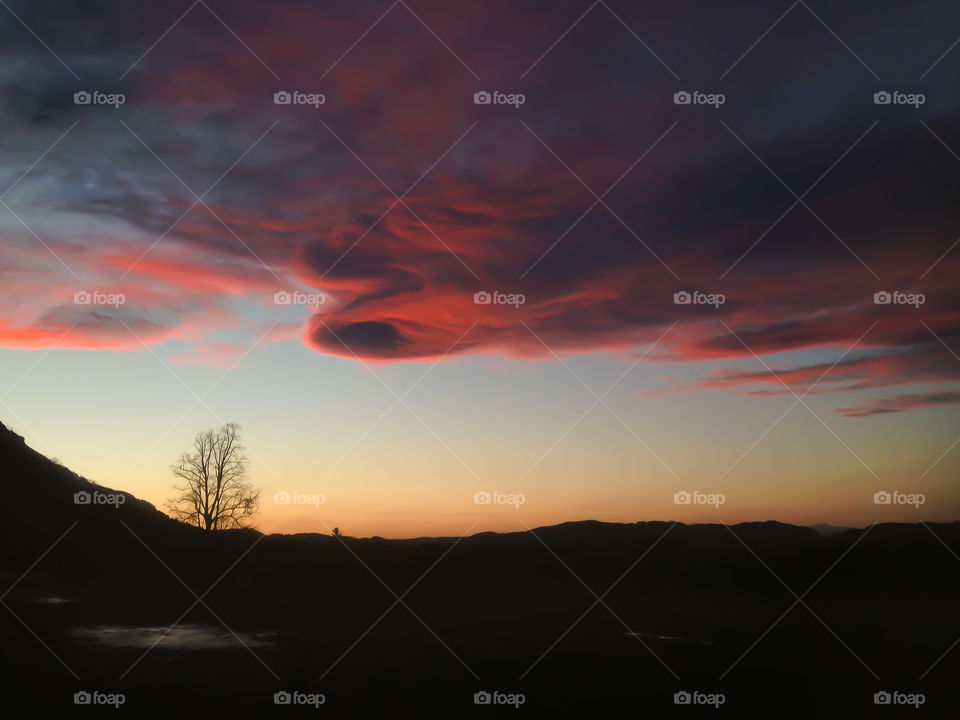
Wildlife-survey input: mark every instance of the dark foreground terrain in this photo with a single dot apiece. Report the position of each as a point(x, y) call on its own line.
point(702, 609)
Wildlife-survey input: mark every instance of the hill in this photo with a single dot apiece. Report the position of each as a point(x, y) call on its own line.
point(575, 615)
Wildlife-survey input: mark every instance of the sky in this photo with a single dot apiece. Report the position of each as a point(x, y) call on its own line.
point(575, 300)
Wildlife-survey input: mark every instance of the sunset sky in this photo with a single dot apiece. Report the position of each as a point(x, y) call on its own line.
point(398, 198)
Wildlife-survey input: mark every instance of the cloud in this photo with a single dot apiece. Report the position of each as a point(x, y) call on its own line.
point(399, 199)
point(901, 403)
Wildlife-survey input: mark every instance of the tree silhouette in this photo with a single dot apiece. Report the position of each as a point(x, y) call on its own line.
point(214, 493)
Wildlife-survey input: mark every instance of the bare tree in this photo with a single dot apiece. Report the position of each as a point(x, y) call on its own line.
point(214, 493)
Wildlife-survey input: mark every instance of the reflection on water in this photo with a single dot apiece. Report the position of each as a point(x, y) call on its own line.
point(182, 637)
point(44, 600)
point(668, 638)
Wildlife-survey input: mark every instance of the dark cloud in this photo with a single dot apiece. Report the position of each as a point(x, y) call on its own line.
point(379, 339)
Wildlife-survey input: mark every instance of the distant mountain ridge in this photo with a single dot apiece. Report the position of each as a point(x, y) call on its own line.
point(43, 493)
